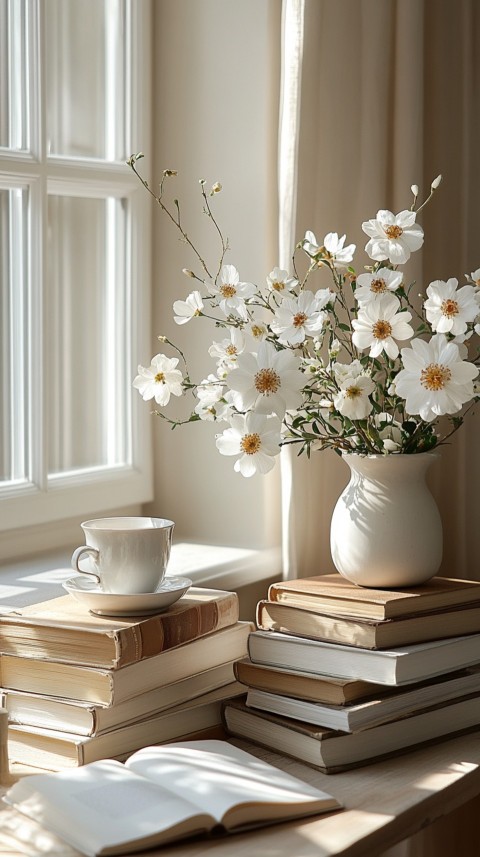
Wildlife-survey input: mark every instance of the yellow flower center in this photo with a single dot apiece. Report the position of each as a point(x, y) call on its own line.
point(257, 331)
point(267, 381)
point(231, 350)
point(393, 232)
point(353, 392)
point(382, 329)
point(250, 443)
point(159, 378)
point(450, 308)
point(435, 376)
point(378, 286)
point(228, 291)
point(278, 286)
point(299, 319)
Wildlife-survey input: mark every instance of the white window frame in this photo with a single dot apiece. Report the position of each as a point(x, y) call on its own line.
point(46, 499)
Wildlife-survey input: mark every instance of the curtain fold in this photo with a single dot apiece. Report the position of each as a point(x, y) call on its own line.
point(388, 97)
point(388, 94)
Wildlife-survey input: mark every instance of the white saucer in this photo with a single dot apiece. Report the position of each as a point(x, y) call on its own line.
point(110, 604)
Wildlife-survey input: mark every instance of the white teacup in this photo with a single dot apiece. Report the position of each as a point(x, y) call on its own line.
point(129, 555)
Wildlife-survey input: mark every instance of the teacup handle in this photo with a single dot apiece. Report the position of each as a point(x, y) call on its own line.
point(76, 556)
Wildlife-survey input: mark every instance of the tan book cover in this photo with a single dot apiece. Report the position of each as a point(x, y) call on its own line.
point(332, 593)
point(368, 633)
point(62, 629)
point(309, 686)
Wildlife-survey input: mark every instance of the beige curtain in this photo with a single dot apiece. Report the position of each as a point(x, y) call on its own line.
point(387, 96)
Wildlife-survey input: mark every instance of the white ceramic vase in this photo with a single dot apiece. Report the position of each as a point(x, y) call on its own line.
point(386, 530)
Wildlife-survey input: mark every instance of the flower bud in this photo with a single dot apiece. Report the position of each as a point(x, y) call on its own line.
point(187, 272)
point(168, 173)
point(414, 189)
point(334, 349)
point(162, 338)
point(216, 188)
point(436, 182)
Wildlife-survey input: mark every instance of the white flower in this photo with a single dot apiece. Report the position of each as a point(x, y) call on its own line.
point(278, 281)
point(255, 438)
point(226, 352)
point(434, 380)
point(449, 309)
point(160, 380)
point(258, 330)
point(189, 308)
point(231, 293)
point(390, 432)
point(474, 277)
point(332, 247)
point(269, 382)
point(310, 244)
point(393, 236)
point(381, 282)
point(352, 399)
point(297, 317)
point(379, 325)
point(345, 370)
point(339, 254)
point(209, 392)
point(325, 297)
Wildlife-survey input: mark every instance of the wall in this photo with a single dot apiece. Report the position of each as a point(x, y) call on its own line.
point(216, 94)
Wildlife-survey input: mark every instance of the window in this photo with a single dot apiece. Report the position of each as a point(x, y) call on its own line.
point(74, 257)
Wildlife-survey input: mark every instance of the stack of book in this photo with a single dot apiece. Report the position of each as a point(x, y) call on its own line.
point(80, 687)
point(340, 675)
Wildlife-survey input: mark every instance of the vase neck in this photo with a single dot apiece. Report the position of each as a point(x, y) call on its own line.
point(390, 468)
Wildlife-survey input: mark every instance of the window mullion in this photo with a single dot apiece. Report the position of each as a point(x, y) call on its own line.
point(18, 338)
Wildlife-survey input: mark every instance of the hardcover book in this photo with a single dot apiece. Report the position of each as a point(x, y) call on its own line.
point(303, 685)
point(400, 665)
point(330, 750)
point(162, 794)
point(84, 718)
point(109, 687)
point(54, 751)
point(368, 633)
point(332, 593)
point(363, 715)
point(61, 629)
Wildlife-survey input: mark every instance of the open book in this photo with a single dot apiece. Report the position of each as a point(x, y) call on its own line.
point(161, 794)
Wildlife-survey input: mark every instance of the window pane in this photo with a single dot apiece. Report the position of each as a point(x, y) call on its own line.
point(85, 51)
point(13, 75)
point(13, 324)
point(87, 344)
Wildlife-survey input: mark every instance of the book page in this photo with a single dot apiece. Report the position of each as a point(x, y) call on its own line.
point(103, 805)
point(233, 786)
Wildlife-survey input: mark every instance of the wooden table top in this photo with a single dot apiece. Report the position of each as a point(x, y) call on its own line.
point(384, 803)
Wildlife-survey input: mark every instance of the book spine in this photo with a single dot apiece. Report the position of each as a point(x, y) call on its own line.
point(172, 629)
point(286, 619)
